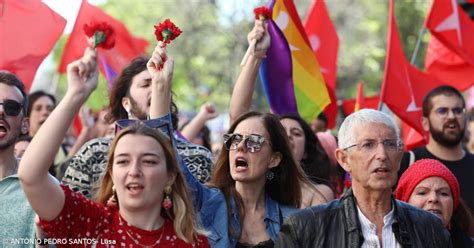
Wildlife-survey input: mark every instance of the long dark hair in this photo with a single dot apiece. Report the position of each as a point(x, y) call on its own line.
point(285, 187)
point(462, 217)
point(33, 97)
point(316, 163)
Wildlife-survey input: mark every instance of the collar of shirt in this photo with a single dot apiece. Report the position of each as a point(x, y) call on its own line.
point(369, 230)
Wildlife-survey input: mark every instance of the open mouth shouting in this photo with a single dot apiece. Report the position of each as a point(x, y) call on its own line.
point(3, 129)
point(134, 188)
point(436, 212)
point(241, 164)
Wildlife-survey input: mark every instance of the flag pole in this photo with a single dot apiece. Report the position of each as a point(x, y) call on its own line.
point(417, 46)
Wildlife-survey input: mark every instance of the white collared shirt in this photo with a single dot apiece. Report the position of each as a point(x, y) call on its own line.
point(369, 231)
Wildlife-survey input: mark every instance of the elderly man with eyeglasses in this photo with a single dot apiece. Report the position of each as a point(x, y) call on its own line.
point(367, 215)
point(444, 119)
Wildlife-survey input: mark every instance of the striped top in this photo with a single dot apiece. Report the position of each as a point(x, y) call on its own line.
point(369, 231)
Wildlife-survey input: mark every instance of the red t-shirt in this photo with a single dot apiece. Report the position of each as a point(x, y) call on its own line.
point(85, 223)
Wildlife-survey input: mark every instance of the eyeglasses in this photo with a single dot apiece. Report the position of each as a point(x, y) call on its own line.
point(253, 142)
point(11, 107)
point(443, 112)
point(370, 146)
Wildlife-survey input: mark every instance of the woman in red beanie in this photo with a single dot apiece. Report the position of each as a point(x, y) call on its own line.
point(429, 185)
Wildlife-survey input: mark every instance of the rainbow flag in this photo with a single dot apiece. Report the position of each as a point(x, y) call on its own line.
point(290, 73)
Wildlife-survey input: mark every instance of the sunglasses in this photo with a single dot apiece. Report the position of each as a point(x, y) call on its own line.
point(253, 142)
point(161, 124)
point(11, 107)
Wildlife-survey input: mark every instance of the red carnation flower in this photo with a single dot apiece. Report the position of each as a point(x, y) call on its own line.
point(101, 33)
point(262, 13)
point(166, 31)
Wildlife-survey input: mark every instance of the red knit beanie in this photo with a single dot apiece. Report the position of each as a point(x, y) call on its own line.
point(419, 171)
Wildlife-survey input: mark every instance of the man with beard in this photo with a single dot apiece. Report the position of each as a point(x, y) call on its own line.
point(130, 100)
point(444, 118)
point(16, 215)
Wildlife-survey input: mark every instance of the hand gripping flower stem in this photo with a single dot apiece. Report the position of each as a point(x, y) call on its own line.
point(261, 13)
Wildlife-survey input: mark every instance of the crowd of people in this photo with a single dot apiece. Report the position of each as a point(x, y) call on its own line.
point(133, 178)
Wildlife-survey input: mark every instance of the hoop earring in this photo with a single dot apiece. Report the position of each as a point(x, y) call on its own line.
point(167, 203)
point(270, 175)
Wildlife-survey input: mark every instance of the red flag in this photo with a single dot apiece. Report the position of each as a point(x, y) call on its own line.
point(360, 96)
point(324, 41)
point(446, 65)
point(111, 61)
point(371, 102)
point(404, 86)
point(29, 30)
point(411, 138)
point(453, 27)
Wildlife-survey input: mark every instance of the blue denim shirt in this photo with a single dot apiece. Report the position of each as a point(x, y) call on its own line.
point(210, 204)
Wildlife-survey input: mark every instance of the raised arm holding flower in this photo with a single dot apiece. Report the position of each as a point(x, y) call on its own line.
point(160, 66)
point(261, 14)
point(33, 170)
point(241, 98)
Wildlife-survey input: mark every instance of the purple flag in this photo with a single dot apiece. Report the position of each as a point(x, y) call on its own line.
point(276, 73)
point(110, 74)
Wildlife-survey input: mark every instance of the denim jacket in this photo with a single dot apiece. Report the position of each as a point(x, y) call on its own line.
point(210, 204)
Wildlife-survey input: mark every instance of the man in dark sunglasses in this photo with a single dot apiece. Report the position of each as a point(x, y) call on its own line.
point(445, 118)
point(16, 216)
point(130, 101)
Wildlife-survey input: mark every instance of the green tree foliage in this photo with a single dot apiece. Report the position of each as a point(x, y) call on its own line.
point(208, 53)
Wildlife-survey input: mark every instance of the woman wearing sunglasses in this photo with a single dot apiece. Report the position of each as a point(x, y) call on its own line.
point(255, 185)
point(311, 157)
point(153, 207)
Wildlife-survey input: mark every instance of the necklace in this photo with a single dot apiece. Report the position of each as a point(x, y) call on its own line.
point(157, 242)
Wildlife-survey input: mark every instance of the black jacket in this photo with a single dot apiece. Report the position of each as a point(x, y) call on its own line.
point(336, 225)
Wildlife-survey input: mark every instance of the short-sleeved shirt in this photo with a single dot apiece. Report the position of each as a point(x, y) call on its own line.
point(17, 225)
point(84, 223)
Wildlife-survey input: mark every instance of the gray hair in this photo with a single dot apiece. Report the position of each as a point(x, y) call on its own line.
point(347, 135)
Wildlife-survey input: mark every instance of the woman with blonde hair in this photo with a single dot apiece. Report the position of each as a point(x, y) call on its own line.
point(153, 207)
